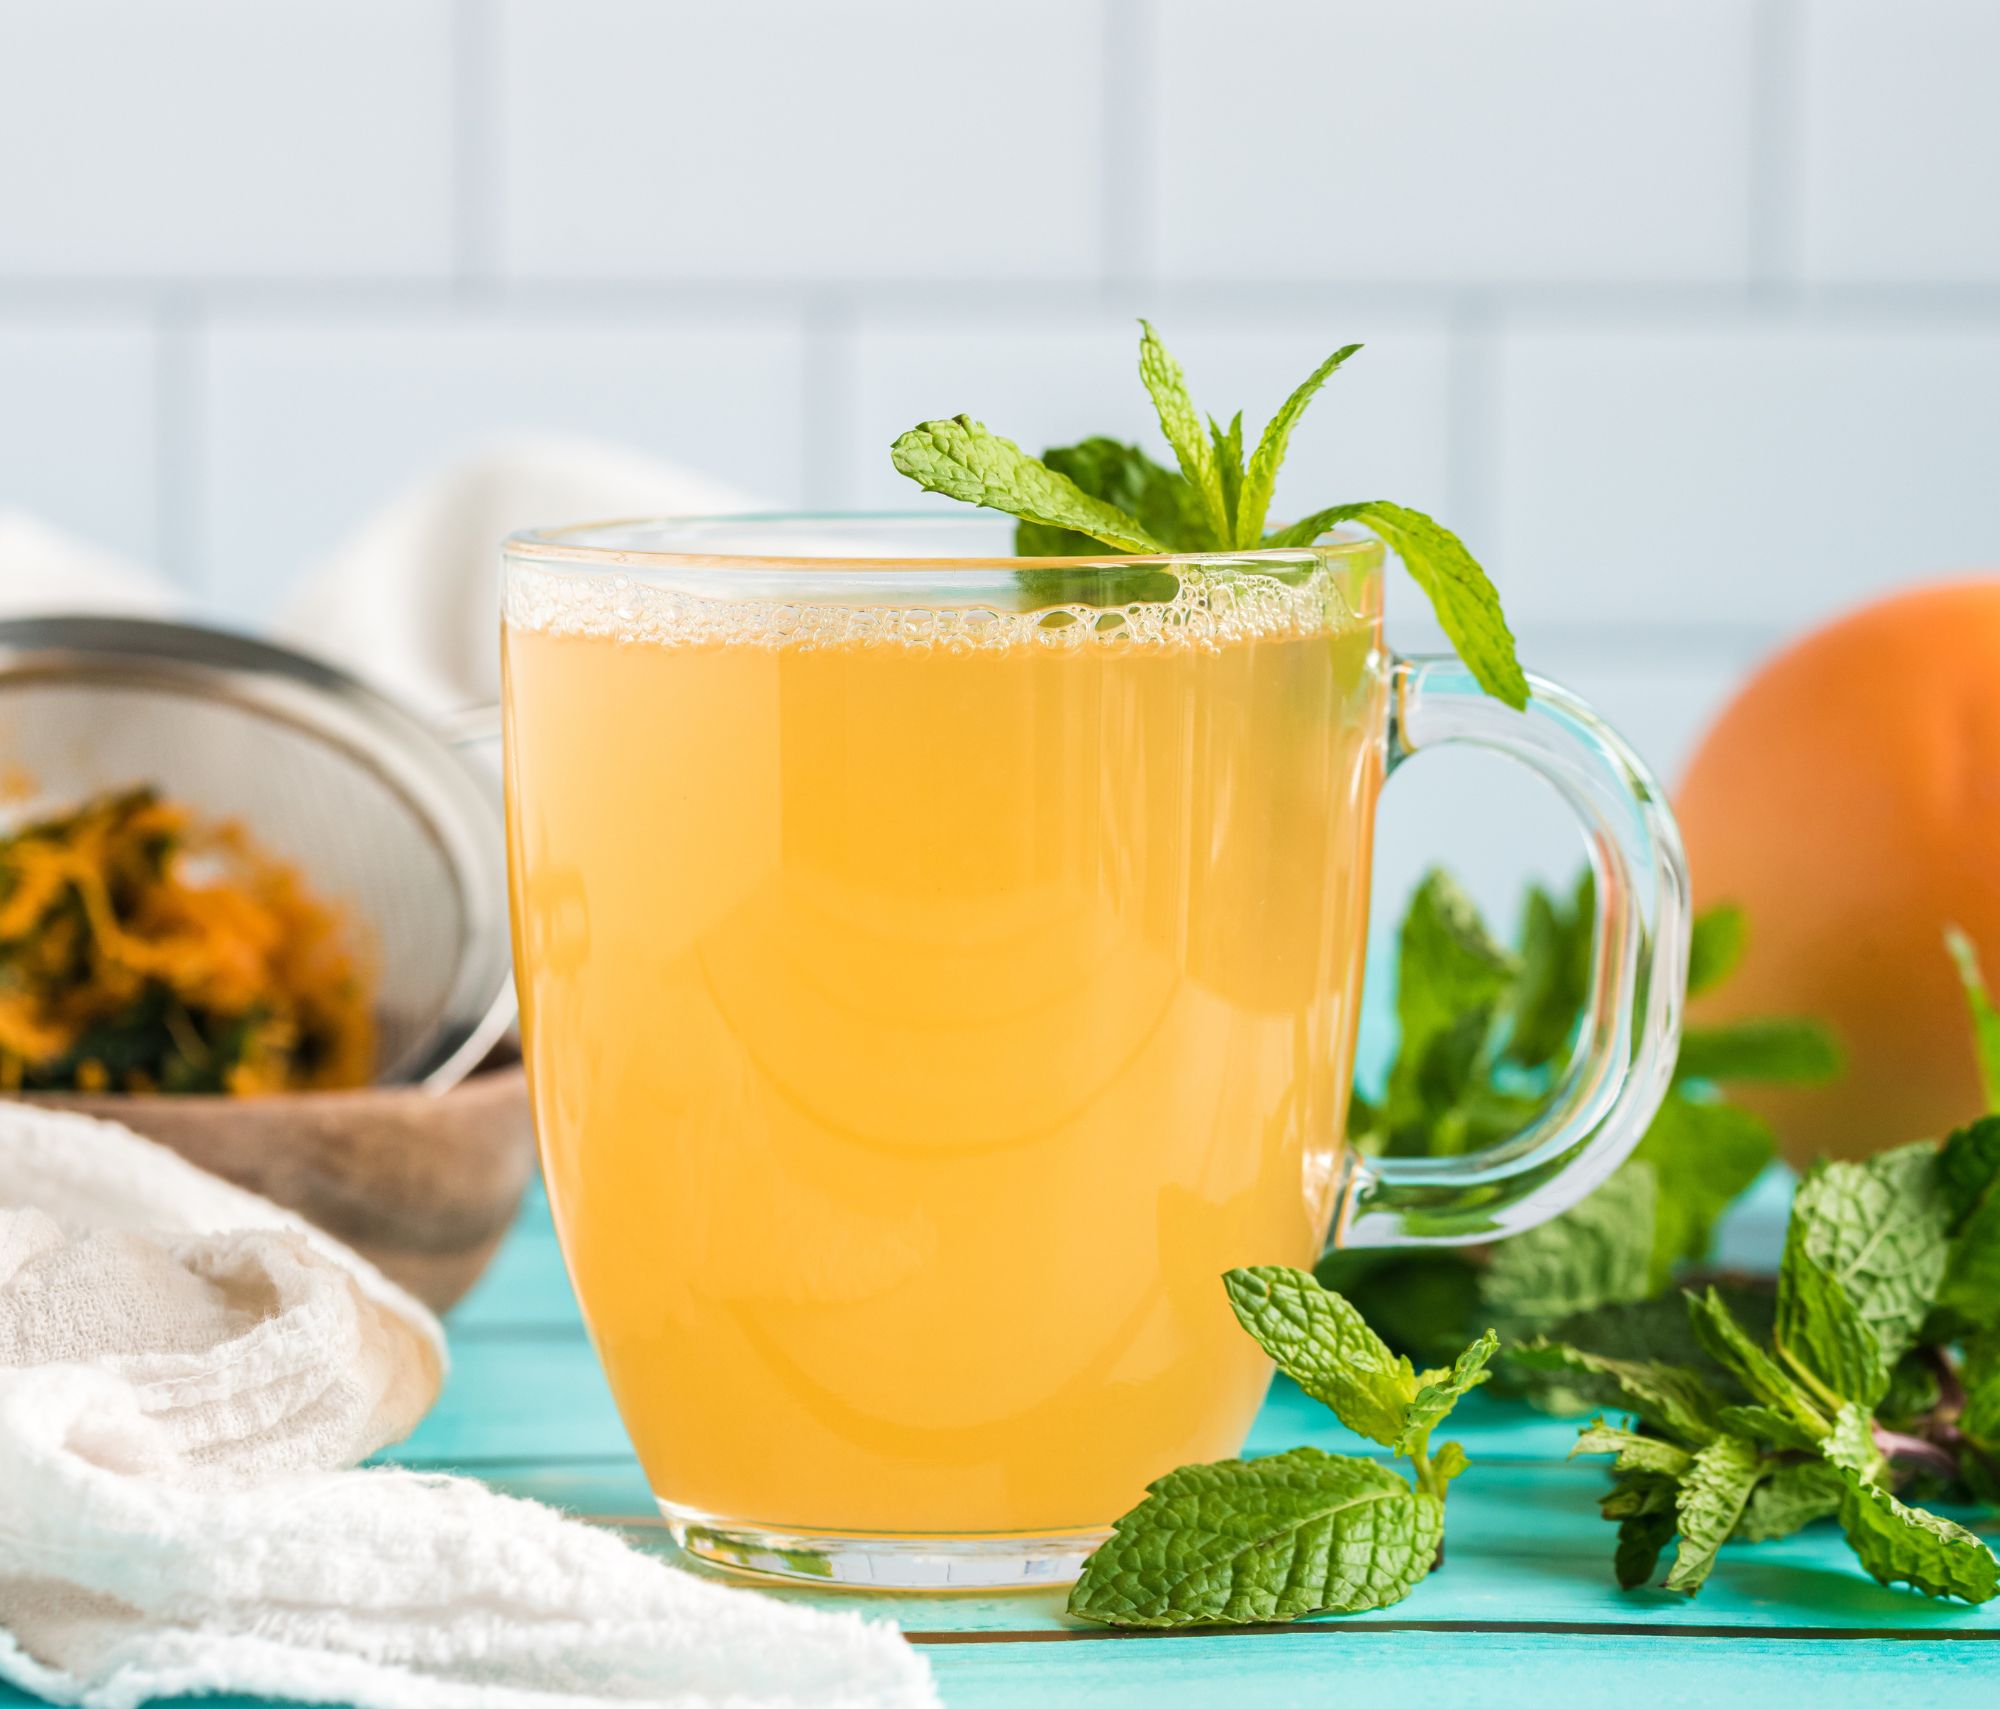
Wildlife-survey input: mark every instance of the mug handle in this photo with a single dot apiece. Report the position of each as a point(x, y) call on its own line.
point(1625, 1052)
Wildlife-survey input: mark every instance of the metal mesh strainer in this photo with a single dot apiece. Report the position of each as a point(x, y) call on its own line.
point(373, 808)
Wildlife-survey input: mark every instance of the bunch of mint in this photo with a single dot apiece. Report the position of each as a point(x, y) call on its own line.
point(1835, 1400)
point(1484, 1032)
point(1076, 500)
point(1871, 1381)
point(1244, 1542)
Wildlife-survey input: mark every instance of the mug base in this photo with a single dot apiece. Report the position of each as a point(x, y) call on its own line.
point(886, 1561)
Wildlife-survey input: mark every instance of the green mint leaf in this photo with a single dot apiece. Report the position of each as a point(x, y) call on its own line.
point(1968, 1169)
point(1715, 947)
point(1481, 1115)
point(1820, 1333)
point(1985, 1018)
point(1181, 422)
point(1641, 1539)
point(1704, 1156)
point(1451, 978)
point(1635, 1453)
point(1850, 1444)
point(1711, 1502)
point(1261, 478)
point(1795, 1494)
point(1767, 1427)
point(1969, 1176)
point(1773, 1052)
point(1768, 1381)
point(1421, 1303)
point(1637, 1492)
point(1913, 1383)
point(1446, 1464)
point(1980, 1376)
point(1597, 1253)
point(1243, 1542)
point(1670, 1398)
point(1466, 603)
point(1439, 1391)
point(961, 459)
point(1657, 1330)
point(1323, 1344)
point(1555, 974)
point(1229, 464)
point(1366, 1126)
point(1125, 478)
point(1447, 961)
point(1906, 1545)
point(1879, 1229)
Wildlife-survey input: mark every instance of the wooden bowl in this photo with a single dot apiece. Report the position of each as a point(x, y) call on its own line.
point(424, 1185)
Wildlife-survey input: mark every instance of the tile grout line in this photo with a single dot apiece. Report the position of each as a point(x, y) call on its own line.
point(476, 190)
point(1887, 307)
point(1776, 142)
point(1127, 183)
point(826, 401)
point(1471, 420)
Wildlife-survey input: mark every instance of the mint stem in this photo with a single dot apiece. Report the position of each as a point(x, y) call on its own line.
point(1431, 1484)
point(1915, 1451)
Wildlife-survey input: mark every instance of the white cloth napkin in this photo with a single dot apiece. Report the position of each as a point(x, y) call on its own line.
point(188, 1375)
point(43, 570)
point(411, 601)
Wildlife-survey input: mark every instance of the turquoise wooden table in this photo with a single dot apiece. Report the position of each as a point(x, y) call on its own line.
point(1525, 1611)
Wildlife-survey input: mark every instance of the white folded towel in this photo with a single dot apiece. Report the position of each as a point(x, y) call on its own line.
point(411, 600)
point(189, 1375)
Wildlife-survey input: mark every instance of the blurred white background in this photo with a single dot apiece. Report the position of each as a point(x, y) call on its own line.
point(1686, 313)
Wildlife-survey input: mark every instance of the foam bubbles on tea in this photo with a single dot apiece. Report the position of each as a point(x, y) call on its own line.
point(1212, 609)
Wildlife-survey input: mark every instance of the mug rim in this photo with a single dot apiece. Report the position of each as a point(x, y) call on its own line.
point(590, 545)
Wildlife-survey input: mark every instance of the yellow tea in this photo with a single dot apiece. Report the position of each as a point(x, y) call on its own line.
point(924, 1009)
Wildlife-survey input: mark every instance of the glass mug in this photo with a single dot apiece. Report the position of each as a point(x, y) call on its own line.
point(937, 969)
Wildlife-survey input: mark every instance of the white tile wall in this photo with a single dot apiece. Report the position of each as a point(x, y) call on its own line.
point(225, 138)
point(1455, 139)
point(1743, 470)
point(311, 425)
point(78, 446)
point(1686, 312)
point(773, 139)
point(1902, 154)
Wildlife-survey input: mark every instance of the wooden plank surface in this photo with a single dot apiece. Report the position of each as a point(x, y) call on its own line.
point(1524, 1611)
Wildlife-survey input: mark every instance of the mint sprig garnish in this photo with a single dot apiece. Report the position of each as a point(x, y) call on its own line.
point(1074, 500)
point(1244, 1542)
point(1847, 1404)
point(962, 460)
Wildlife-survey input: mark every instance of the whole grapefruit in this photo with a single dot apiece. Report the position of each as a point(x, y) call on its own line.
point(1848, 800)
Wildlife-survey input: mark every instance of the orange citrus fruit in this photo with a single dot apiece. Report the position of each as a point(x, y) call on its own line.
point(1849, 800)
